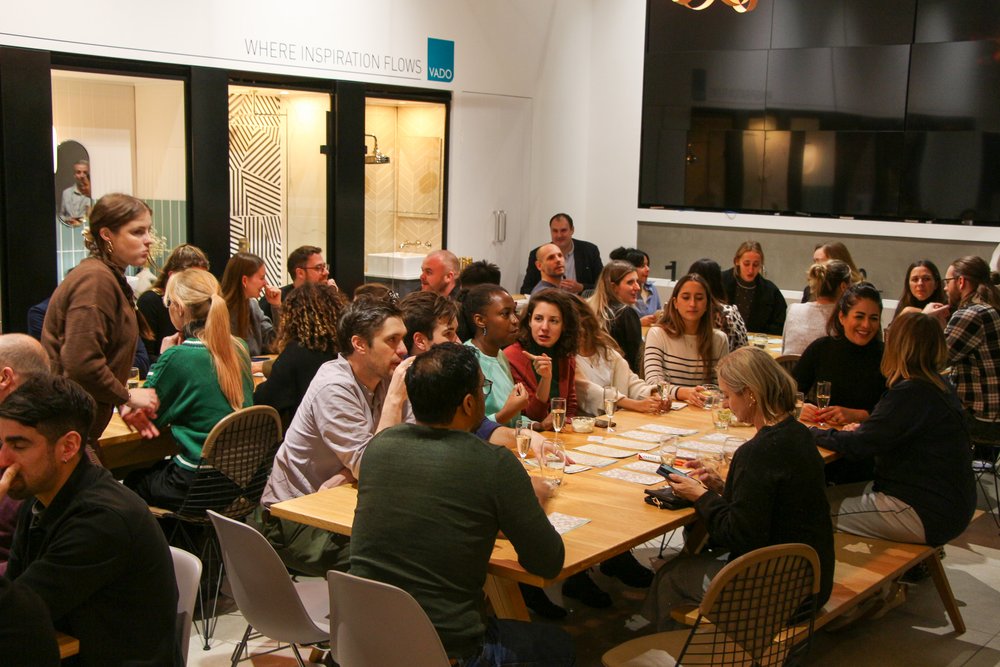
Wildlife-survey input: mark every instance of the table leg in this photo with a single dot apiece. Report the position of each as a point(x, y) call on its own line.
point(944, 590)
point(505, 596)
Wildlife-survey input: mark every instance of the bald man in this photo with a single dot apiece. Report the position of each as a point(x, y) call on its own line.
point(551, 265)
point(439, 273)
point(20, 356)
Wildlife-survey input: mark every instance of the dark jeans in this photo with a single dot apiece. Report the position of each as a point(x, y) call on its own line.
point(164, 485)
point(518, 644)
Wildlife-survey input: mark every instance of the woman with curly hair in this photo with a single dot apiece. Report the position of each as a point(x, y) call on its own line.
point(308, 339)
point(544, 357)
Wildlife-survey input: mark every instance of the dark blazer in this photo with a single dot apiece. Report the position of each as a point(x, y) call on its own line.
point(767, 312)
point(586, 258)
point(100, 563)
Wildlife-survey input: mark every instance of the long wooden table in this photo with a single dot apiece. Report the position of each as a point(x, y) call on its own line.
point(619, 517)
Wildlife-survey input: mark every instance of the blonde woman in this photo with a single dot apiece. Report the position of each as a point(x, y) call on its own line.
point(599, 364)
point(684, 346)
point(774, 493)
point(759, 301)
point(805, 322)
point(824, 252)
point(202, 376)
point(614, 302)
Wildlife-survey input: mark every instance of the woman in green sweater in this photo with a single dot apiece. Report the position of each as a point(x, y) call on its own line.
point(202, 378)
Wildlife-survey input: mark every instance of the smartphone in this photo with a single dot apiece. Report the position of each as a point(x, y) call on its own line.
point(259, 358)
point(666, 470)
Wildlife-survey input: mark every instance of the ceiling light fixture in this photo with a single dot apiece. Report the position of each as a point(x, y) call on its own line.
point(740, 6)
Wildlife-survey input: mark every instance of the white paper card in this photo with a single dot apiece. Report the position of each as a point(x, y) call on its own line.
point(645, 436)
point(678, 405)
point(631, 444)
point(575, 468)
point(563, 523)
point(601, 450)
point(668, 430)
point(647, 467)
point(634, 477)
point(589, 459)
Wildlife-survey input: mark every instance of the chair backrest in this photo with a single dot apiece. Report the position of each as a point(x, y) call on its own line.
point(187, 571)
point(236, 462)
point(373, 624)
point(788, 361)
point(261, 586)
point(757, 610)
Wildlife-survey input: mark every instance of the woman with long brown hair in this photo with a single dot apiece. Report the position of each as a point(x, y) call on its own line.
point(242, 283)
point(684, 346)
point(201, 378)
point(184, 256)
point(91, 327)
point(613, 302)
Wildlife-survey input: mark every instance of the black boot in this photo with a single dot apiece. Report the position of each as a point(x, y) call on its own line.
point(539, 602)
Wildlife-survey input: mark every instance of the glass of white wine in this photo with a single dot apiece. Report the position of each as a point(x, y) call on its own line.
point(522, 436)
point(823, 396)
point(557, 407)
point(668, 450)
point(133, 378)
point(610, 402)
point(553, 463)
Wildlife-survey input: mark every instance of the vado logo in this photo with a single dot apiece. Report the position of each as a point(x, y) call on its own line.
point(440, 59)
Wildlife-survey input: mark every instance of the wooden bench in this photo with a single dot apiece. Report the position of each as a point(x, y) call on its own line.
point(865, 564)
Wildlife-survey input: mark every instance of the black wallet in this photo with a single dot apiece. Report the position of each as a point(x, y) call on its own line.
point(666, 499)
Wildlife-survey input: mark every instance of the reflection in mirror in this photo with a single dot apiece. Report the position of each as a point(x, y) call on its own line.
point(73, 195)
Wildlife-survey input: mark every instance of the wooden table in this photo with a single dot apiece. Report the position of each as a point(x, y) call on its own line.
point(619, 518)
point(68, 646)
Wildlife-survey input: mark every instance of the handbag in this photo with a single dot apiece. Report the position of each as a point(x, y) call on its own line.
point(666, 499)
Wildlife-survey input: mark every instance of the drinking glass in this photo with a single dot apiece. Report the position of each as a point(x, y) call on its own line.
point(133, 378)
point(711, 394)
point(729, 450)
point(553, 463)
point(668, 449)
point(610, 401)
point(558, 408)
point(721, 416)
point(800, 398)
point(712, 461)
point(661, 389)
point(823, 395)
point(522, 436)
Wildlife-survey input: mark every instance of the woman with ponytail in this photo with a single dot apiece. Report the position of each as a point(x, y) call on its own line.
point(91, 326)
point(805, 322)
point(201, 378)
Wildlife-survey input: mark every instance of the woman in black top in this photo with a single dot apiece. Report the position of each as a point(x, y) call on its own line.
point(849, 358)
point(759, 301)
point(922, 286)
point(774, 492)
point(924, 490)
point(308, 340)
point(150, 303)
point(613, 300)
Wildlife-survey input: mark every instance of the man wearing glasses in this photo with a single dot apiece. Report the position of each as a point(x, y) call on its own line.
point(305, 265)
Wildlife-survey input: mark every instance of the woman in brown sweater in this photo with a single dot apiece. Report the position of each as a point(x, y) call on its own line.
point(91, 329)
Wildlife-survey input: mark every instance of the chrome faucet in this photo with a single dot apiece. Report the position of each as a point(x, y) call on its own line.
point(414, 244)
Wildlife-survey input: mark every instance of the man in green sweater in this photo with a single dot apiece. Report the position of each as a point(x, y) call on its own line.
point(431, 501)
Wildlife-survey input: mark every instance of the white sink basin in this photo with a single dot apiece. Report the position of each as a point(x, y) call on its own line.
point(395, 265)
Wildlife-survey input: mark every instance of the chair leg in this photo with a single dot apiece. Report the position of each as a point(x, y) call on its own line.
point(298, 658)
point(242, 646)
point(212, 559)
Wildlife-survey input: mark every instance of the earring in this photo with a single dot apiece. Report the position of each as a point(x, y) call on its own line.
point(753, 400)
point(484, 332)
point(109, 247)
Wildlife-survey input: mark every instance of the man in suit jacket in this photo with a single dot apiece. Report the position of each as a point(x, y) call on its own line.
point(583, 259)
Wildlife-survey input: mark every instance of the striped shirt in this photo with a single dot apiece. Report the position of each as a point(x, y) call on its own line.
point(973, 336)
point(676, 360)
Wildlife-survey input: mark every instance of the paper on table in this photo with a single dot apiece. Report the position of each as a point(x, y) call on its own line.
point(647, 467)
point(563, 523)
point(631, 444)
point(645, 436)
point(634, 477)
point(669, 430)
point(575, 468)
point(601, 450)
point(678, 405)
point(590, 459)
point(721, 438)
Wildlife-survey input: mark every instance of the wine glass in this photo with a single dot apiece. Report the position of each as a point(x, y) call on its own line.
point(610, 402)
point(553, 463)
point(522, 436)
point(823, 396)
point(557, 406)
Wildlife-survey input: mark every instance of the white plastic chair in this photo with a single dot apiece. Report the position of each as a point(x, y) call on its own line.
point(187, 571)
point(373, 624)
point(273, 605)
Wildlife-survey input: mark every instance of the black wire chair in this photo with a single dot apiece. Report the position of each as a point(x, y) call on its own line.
point(234, 468)
point(758, 612)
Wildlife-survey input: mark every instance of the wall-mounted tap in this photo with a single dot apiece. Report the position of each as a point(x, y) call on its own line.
point(414, 244)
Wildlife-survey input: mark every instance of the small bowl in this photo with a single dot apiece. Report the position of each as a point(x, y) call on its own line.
point(583, 424)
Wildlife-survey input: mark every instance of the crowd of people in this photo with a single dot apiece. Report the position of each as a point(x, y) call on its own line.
point(417, 399)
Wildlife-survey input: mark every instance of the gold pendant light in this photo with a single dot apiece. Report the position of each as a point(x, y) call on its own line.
point(741, 6)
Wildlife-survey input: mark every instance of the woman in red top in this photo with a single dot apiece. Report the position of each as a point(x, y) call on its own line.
point(544, 358)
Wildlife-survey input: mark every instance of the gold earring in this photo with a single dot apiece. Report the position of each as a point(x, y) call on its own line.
point(109, 247)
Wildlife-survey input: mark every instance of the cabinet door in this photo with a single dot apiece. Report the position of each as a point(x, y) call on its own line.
point(490, 168)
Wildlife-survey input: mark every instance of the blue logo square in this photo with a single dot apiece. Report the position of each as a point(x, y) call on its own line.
point(440, 60)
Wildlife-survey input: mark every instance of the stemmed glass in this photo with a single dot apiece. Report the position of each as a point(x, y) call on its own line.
point(823, 396)
point(553, 463)
point(557, 407)
point(522, 436)
point(610, 402)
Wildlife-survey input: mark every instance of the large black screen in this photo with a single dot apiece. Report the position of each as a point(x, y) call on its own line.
point(878, 108)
